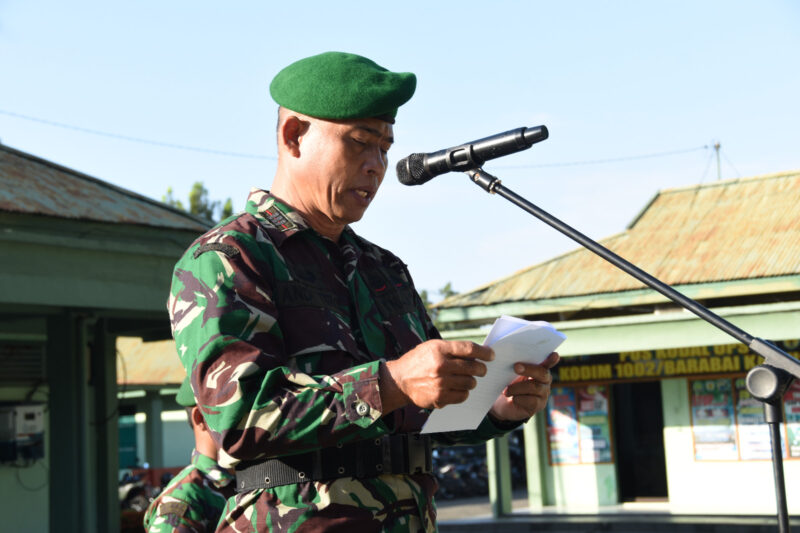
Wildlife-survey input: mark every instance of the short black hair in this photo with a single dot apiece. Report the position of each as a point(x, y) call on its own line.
point(189, 416)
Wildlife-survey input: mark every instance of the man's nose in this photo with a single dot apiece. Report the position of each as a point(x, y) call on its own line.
point(376, 162)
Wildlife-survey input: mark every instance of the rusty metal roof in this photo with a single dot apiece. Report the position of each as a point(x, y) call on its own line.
point(35, 186)
point(727, 230)
point(148, 363)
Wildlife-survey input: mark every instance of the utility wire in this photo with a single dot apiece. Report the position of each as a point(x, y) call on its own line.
point(134, 139)
point(731, 164)
point(272, 158)
point(612, 160)
point(708, 166)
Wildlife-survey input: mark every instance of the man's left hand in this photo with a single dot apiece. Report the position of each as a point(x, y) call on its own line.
point(526, 395)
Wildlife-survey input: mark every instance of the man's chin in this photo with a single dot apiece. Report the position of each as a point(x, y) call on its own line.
point(352, 215)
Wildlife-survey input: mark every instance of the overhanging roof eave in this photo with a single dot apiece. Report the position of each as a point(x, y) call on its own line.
point(644, 296)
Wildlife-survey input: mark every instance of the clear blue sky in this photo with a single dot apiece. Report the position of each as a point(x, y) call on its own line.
point(610, 80)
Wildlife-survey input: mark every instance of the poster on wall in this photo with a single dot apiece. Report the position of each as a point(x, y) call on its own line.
point(713, 423)
point(562, 426)
point(754, 438)
point(595, 440)
point(791, 406)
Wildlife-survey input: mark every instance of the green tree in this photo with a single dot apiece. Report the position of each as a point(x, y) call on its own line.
point(169, 199)
point(199, 203)
point(227, 209)
point(447, 291)
point(444, 292)
point(423, 294)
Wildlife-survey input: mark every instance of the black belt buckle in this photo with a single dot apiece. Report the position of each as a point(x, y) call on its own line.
point(419, 453)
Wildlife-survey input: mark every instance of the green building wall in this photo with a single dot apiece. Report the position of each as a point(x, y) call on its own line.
point(575, 487)
point(26, 510)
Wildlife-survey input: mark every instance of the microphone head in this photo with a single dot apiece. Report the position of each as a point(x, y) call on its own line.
point(535, 134)
point(411, 170)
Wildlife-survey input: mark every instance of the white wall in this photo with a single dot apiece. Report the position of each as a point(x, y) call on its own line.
point(709, 487)
point(584, 486)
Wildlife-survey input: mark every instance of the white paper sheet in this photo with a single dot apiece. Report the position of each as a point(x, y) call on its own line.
point(513, 340)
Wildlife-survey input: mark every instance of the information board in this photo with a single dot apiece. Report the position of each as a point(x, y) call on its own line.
point(578, 426)
point(713, 422)
point(791, 407)
point(562, 426)
point(595, 439)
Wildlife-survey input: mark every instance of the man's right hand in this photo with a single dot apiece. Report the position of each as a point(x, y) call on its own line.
point(434, 374)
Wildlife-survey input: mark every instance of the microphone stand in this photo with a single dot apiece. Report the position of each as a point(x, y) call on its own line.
point(767, 382)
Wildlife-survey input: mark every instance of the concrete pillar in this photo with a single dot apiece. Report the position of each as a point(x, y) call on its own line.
point(67, 377)
point(106, 425)
point(536, 464)
point(499, 464)
point(154, 430)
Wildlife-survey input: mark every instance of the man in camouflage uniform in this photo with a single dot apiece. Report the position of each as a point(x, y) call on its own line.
point(308, 348)
point(193, 500)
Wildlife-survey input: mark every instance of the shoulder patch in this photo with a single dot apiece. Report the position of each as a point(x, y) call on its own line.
point(173, 508)
point(227, 249)
point(278, 219)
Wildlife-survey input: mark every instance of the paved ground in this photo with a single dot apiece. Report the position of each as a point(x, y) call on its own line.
point(475, 507)
point(475, 515)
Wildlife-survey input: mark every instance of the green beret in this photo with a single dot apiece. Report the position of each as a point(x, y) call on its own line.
point(185, 396)
point(336, 85)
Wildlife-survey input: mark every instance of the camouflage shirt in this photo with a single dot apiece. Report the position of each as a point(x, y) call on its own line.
point(282, 332)
point(193, 500)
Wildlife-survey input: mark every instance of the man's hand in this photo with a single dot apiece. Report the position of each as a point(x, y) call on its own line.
point(434, 374)
point(526, 395)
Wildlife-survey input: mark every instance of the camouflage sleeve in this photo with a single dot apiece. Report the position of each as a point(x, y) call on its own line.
point(257, 404)
point(176, 516)
point(488, 429)
point(181, 508)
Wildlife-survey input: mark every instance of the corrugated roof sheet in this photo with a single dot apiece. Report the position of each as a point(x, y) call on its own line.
point(35, 186)
point(727, 230)
point(148, 363)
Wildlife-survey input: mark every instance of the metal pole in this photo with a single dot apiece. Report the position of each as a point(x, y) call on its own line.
point(774, 417)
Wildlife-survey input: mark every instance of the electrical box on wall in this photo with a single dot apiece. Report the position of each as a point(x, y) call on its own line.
point(21, 432)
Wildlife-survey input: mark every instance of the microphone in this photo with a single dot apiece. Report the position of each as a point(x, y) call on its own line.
point(416, 169)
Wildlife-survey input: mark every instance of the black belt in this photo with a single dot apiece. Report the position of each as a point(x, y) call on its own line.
point(390, 454)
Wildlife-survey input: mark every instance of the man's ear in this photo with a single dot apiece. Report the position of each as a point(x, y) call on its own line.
point(197, 418)
point(290, 133)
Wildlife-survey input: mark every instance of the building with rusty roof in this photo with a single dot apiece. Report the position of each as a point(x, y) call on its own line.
point(718, 241)
point(649, 401)
point(82, 262)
